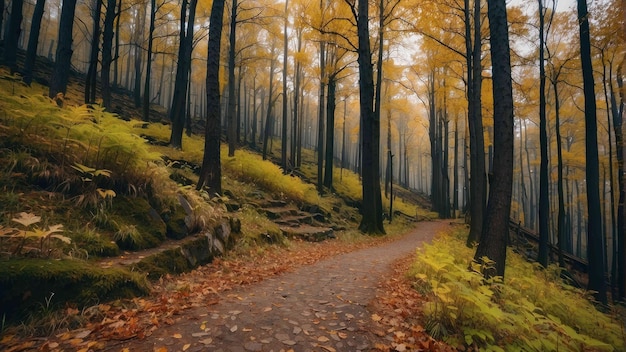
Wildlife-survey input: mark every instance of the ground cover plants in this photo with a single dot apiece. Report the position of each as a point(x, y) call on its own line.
point(533, 309)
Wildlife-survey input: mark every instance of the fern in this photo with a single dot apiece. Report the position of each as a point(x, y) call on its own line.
point(533, 310)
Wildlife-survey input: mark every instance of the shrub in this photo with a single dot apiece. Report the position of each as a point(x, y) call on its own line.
point(532, 310)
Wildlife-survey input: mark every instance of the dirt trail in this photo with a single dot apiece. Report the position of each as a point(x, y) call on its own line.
point(320, 307)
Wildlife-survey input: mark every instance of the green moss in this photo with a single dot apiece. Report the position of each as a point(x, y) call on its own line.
point(175, 222)
point(136, 214)
point(94, 244)
point(26, 284)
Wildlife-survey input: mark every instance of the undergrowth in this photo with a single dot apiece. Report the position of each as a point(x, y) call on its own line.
point(531, 310)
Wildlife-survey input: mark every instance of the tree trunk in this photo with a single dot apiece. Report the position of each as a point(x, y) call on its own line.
point(595, 253)
point(63, 61)
point(92, 71)
point(544, 195)
point(320, 121)
point(270, 102)
point(211, 172)
point(283, 145)
point(12, 36)
point(177, 110)
point(107, 40)
point(621, 210)
point(146, 87)
point(117, 38)
point(495, 231)
point(478, 180)
point(330, 129)
point(33, 41)
point(141, 22)
point(230, 119)
point(371, 210)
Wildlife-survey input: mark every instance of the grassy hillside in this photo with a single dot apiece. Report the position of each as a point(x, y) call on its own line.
point(79, 185)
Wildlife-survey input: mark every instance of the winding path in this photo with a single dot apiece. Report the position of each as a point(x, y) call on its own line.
point(320, 307)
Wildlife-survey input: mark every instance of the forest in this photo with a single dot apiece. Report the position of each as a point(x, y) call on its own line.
point(127, 124)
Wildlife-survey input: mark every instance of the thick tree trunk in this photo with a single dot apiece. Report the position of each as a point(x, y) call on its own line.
point(177, 110)
point(63, 61)
point(595, 252)
point(495, 231)
point(33, 41)
point(211, 172)
point(371, 210)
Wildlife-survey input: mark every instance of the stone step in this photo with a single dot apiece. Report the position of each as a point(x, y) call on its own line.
point(178, 256)
point(308, 233)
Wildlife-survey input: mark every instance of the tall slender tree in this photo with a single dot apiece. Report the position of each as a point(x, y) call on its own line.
point(107, 59)
point(177, 109)
point(92, 71)
point(544, 196)
point(372, 208)
point(595, 252)
point(211, 172)
point(494, 237)
point(145, 112)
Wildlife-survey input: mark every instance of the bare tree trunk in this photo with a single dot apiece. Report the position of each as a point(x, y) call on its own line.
point(283, 149)
point(595, 254)
point(211, 172)
point(371, 209)
point(146, 87)
point(544, 193)
point(494, 237)
point(92, 71)
point(230, 118)
point(270, 102)
point(107, 40)
point(33, 40)
point(61, 71)
point(12, 36)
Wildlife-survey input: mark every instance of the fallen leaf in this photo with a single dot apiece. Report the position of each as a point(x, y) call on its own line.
point(177, 336)
point(82, 334)
point(376, 317)
point(203, 325)
point(186, 347)
point(233, 328)
point(401, 347)
point(328, 348)
point(207, 341)
point(322, 339)
point(160, 349)
point(267, 309)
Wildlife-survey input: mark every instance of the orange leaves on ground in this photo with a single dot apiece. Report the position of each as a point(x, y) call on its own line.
point(172, 295)
point(398, 315)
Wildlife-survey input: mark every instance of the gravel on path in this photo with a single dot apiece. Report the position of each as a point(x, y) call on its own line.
point(320, 307)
